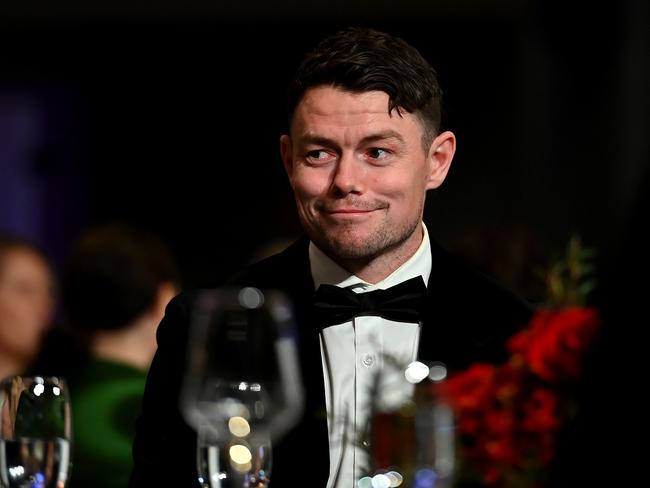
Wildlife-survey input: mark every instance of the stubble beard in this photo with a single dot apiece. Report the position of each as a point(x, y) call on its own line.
point(347, 244)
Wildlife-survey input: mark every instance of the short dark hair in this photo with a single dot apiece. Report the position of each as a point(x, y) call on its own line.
point(360, 60)
point(112, 276)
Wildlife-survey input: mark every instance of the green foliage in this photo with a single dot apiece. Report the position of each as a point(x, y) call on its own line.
point(570, 280)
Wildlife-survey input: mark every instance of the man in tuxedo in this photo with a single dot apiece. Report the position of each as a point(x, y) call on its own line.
point(363, 149)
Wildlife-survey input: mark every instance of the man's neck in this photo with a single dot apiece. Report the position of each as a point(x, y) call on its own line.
point(375, 269)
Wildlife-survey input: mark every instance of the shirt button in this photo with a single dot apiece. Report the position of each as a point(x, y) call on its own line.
point(368, 360)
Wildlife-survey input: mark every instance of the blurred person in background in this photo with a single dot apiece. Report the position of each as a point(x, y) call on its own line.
point(26, 303)
point(116, 284)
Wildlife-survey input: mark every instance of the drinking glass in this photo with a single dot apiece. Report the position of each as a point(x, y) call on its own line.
point(35, 432)
point(242, 389)
point(411, 440)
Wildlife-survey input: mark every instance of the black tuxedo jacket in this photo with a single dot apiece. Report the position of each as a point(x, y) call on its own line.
point(468, 319)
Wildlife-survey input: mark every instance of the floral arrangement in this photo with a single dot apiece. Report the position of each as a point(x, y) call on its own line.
point(508, 416)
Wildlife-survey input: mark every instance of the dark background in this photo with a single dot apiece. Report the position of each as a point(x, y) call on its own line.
point(168, 115)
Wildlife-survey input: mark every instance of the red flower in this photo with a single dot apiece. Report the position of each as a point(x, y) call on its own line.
point(508, 415)
point(472, 389)
point(554, 345)
point(540, 411)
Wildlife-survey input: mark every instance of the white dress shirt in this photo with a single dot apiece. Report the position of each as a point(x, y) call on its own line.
point(354, 356)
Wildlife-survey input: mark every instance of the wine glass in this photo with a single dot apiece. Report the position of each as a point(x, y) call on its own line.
point(35, 432)
point(242, 389)
point(411, 432)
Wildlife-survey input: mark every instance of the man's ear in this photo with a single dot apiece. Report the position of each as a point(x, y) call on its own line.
point(440, 155)
point(286, 151)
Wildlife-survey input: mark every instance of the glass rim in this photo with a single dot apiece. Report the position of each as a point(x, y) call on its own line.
point(34, 378)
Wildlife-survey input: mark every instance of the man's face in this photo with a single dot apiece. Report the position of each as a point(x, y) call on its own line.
point(359, 174)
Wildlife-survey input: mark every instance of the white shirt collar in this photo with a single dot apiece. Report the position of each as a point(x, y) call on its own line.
point(325, 271)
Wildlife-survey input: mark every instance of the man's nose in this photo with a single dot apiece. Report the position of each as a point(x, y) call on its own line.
point(348, 176)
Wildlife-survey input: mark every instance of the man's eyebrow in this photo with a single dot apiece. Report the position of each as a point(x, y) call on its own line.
point(382, 136)
point(317, 140)
point(325, 141)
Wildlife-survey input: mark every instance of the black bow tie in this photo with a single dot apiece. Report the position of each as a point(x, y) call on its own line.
point(401, 303)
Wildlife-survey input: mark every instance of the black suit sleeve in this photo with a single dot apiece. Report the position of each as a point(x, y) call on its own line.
point(164, 449)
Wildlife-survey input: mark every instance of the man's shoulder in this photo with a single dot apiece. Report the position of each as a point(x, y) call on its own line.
point(471, 313)
point(471, 301)
point(285, 269)
point(451, 275)
point(281, 270)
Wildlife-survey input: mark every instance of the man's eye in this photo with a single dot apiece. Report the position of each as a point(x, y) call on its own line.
point(377, 153)
point(318, 155)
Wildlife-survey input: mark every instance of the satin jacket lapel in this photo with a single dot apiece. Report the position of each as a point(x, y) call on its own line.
point(302, 295)
point(432, 344)
point(311, 435)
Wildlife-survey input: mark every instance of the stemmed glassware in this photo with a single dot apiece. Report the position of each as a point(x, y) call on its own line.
point(35, 432)
point(242, 389)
